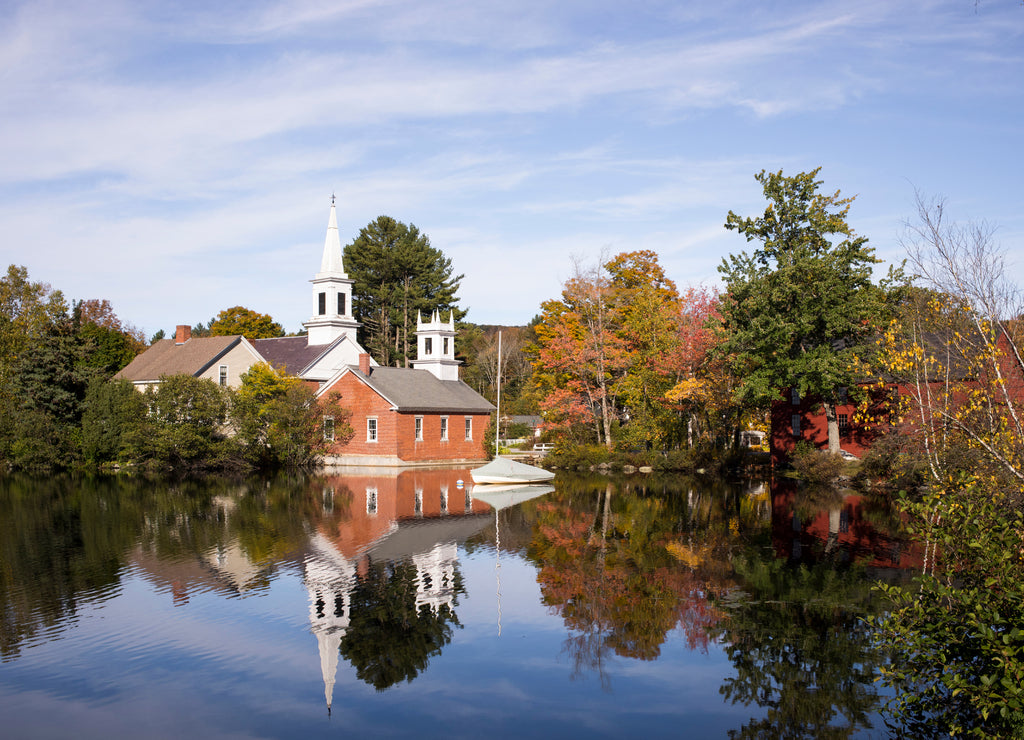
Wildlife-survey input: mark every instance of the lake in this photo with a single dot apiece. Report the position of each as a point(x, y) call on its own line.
point(405, 604)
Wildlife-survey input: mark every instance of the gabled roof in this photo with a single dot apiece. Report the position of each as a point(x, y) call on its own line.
point(168, 358)
point(294, 354)
point(413, 391)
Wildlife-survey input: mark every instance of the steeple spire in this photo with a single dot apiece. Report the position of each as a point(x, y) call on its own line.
point(331, 264)
point(332, 292)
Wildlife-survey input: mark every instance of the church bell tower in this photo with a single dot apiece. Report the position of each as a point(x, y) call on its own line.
point(332, 293)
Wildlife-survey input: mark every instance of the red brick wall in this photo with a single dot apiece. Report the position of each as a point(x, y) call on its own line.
point(396, 432)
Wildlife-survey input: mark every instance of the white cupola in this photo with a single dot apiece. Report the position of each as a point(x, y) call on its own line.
point(332, 293)
point(435, 346)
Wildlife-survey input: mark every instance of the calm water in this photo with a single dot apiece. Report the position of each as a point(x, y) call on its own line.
point(405, 605)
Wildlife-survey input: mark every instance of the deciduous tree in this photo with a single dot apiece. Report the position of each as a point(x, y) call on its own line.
point(799, 309)
point(250, 324)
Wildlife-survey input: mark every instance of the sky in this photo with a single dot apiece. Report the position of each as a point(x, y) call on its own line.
point(179, 158)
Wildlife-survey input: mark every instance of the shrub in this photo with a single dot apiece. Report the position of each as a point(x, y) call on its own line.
point(816, 466)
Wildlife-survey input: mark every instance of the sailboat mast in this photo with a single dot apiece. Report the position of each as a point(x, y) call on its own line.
point(497, 421)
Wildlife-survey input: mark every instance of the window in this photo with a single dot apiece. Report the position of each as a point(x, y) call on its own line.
point(446, 345)
point(469, 428)
point(419, 428)
point(371, 500)
point(795, 423)
point(322, 304)
point(444, 499)
point(796, 397)
point(418, 502)
point(223, 379)
point(371, 430)
point(842, 394)
point(329, 428)
point(428, 346)
point(444, 428)
point(341, 304)
point(844, 424)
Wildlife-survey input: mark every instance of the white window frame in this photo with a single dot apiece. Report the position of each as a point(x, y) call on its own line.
point(444, 428)
point(469, 428)
point(329, 428)
point(222, 375)
point(371, 429)
point(419, 428)
point(371, 501)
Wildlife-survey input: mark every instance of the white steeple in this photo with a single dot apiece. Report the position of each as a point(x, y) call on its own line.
point(332, 292)
point(435, 346)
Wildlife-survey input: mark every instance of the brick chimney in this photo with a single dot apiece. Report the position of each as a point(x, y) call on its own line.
point(183, 334)
point(364, 363)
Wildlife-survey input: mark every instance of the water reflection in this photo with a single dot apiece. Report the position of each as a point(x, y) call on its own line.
point(774, 579)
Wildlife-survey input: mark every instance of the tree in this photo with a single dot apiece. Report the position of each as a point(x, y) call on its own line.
point(800, 308)
point(27, 311)
point(280, 422)
point(250, 324)
point(396, 275)
point(184, 429)
point(956, 351)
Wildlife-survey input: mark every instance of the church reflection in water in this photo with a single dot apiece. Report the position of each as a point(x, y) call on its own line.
point(381, 569)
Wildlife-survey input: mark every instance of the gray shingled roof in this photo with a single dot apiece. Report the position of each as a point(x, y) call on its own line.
point(419, 390)
point(295, 354)
point(167, 358)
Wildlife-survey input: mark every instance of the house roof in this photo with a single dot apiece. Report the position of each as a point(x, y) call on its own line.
point(166, 357)
point(294, 354)
point(419, 390)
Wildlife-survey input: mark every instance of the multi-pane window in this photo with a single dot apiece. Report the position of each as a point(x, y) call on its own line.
point(444, 428)
point(329, 428)
point(419, 428)
point(795, 423)
point(446, 345)
point(371, 500)
point(844, 424)
point(795, 394)
point(428, 346)
point(371, 430)
point(842, 394)
point(469, 428)
point(223, 375)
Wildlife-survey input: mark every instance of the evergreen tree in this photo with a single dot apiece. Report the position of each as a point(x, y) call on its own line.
point(397, 274)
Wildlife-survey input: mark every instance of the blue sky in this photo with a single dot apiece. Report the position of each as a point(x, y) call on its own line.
point(179, 158)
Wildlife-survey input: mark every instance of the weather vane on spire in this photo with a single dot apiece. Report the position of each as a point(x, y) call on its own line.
point(332, 197)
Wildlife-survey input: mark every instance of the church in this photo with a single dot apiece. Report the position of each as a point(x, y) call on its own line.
point(421, 415)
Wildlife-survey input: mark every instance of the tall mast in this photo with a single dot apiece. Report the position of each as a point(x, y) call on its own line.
point(497, 428)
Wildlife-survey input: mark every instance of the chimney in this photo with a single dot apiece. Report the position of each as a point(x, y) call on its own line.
point(364, 363)
point(183, 334)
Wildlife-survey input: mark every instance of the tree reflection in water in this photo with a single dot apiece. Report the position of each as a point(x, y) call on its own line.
point(390, 639)
point(624, 565)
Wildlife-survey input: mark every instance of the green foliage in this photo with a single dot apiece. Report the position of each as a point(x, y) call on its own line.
point(958, 632)
point(111, 409)
point(801, 306)
point(250, 324)
point(396, 274)
point(279, 421)
point(184, 429)
point(577, 457)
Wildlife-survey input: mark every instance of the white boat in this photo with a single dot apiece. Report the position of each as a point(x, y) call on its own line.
point(502, 470)
point(501, 497)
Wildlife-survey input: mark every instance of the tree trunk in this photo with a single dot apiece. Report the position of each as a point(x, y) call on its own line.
point(833, 428)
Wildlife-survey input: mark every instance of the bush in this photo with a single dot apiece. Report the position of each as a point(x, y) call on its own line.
point(816, 466)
